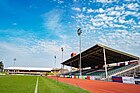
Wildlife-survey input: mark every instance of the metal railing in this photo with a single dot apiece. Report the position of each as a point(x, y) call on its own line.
point(118, 70)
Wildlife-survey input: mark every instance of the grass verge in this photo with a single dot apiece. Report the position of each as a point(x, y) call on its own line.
point(47, 85)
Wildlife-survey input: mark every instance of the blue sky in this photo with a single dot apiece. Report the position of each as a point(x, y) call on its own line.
point(33, 31)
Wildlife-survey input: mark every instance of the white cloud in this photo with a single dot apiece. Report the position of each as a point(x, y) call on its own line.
point(90, 10)
point(80, 16)
point(103, 17)
point(133, 6)
point(76, 9)
point(130, 13)
point(121, 20)
point(97, 23)
point(136, 27)
point(103, 40)
point(101, 10)
point(30, 51)
point(119, 26)
point(100, 16)
point(109, 9)
point(10, 51)
point(116, 13)
point(107, 25)
point(119, 8)
point(60, 1)
point(122, 31)
point(84, 9)
point(122, 40)
point(106, 1)
point(53, 22)
point(39, 55)
point(116, 23)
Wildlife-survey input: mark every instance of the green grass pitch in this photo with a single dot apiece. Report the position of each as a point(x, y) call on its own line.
point(26, 84)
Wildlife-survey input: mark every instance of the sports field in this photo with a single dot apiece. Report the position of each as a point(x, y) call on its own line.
point(29, 84)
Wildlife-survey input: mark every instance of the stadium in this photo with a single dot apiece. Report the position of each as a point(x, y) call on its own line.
point(28, 70)
point(70, 46)
point(101, 63)
point(101, 68)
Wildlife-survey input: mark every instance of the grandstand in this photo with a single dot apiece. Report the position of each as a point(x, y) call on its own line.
point(27, 70)
point(104, 62)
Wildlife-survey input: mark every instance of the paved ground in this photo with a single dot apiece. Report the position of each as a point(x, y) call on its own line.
point(101, 86)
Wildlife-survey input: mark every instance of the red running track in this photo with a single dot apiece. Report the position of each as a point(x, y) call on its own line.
point(95, 86)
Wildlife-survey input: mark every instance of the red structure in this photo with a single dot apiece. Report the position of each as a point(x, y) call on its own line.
point(73, 54)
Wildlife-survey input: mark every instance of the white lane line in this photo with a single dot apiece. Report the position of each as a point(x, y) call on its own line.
point(36, 86)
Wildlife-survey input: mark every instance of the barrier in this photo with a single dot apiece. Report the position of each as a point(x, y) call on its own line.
point(67, 76)
point(137, 80)
point(92, 78)
point(88, 77)
point(72, 76)
point(61, 76)
point(97, 78)
point(128, 80)
point(117, 79)
point(83, 77)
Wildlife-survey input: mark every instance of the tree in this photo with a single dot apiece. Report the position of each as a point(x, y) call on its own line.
point(1, 66)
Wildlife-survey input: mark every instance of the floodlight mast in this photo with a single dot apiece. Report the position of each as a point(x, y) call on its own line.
point(79, 31)
point(62, 60)
point(54, 64)
point(14, 63)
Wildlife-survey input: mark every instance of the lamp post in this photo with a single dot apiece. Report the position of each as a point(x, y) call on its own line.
point(79, 31)
point(14, 63)
point(54, 63)
point(55, 70)
point(62, 60)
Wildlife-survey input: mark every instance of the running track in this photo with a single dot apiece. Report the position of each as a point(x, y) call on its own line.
point(101, 86)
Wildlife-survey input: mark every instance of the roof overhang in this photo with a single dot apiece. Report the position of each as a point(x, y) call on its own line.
point(94, 56)
point(28, 68)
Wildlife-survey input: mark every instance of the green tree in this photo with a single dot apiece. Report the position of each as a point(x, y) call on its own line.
point(1, 66)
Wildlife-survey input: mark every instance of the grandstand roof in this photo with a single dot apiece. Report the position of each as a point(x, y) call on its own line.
point(94, 56)
point(29, 68)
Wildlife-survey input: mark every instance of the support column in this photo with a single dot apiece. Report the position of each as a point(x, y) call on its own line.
point(63, 69)
point(80, 67)
point(71, 70)
point(106, 75)
point(139, 61)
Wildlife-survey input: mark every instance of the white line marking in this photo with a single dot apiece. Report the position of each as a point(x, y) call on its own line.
point(36, 86)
